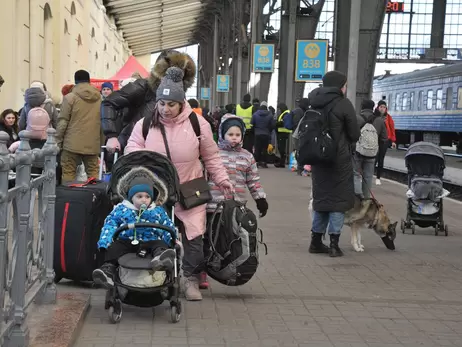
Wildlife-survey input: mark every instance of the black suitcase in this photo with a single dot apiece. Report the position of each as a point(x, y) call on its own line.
point(79, 216)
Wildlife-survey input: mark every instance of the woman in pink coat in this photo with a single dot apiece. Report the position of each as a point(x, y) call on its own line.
point(172, 111)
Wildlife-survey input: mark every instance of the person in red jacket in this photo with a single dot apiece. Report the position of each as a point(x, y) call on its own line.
point(390, 125)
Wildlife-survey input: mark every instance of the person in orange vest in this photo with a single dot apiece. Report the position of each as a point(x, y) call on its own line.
point(195, 106)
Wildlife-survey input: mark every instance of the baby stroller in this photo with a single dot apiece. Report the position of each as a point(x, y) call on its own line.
point(425, 165)
point(131, 286)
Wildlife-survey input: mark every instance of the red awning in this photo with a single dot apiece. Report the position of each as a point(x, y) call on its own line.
point(131, 66)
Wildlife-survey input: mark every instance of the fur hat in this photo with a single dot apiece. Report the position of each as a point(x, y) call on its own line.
point(173, 58)
point(382, 102)
point(140, 176)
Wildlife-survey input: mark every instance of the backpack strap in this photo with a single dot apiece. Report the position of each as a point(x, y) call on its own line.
point(195, 124)
point(192, 118)
point(146, 124)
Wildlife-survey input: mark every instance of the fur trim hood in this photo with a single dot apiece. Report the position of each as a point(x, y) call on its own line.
point(169, 59)
point(125, 181)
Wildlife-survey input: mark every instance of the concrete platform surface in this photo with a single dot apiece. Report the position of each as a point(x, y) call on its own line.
point(58, 325)
point(408, 297)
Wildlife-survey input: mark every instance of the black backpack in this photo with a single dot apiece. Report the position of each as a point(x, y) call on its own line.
point(315, 143)
point(233, 244)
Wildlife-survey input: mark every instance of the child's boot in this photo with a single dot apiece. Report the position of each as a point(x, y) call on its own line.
point(163, 260)
point(203, 283)
point(104, 276)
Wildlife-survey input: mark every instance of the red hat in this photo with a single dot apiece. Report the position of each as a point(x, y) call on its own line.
point(66, 89)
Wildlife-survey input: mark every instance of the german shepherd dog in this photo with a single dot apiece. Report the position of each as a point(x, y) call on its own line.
point(376, 218)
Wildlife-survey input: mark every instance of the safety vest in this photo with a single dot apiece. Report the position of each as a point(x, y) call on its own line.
point(280, 119)
point(245, 114)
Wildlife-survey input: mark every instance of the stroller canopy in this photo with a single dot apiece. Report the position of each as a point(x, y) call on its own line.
point(424, 148)
point(157, 163)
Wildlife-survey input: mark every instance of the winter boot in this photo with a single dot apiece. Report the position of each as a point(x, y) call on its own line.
point(104, 276)
point(334, 250)
point(191, 289)
point(163, 260)
point(316, 245)
point(203, 283)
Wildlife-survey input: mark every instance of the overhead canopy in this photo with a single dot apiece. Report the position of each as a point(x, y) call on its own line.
point(130, 67)
point(154, 25)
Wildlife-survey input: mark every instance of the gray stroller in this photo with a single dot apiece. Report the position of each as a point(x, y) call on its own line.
point(425, 164)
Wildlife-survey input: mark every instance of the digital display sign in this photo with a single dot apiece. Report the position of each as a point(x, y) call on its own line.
point(395, 7)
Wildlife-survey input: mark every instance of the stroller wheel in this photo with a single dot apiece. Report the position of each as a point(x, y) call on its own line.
point(413, 228)
point(175, 314)
point(437, 227)
point(115, 312)
point(403, 226)
point(446, 230)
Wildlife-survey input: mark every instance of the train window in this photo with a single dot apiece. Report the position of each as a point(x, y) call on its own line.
point(419, 100)
point(411, 101)
point(397, 102)
point(449, 98)
point(459, 97)
point(390, 100)
point(439, 99)
point(404, 108)
point(429, 99)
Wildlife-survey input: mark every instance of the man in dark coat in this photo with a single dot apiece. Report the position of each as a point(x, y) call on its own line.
point(332, 185)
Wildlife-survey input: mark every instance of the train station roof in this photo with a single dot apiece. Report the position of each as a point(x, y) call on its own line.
point(153, 25)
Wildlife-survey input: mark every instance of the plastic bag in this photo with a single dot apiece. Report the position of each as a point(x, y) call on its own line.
point(293, 162)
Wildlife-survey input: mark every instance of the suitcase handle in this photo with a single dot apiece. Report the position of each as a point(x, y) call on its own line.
point(101, 163)
point(124, 227)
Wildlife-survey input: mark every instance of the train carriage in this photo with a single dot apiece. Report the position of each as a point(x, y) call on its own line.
point(426, 105)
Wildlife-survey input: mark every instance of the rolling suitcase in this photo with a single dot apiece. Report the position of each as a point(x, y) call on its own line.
point(80, 211)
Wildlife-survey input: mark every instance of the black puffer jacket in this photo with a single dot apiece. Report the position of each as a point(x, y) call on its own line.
point(137, 98)
point(333, 189)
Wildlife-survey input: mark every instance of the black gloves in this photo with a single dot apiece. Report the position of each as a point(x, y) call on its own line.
point(262, 206)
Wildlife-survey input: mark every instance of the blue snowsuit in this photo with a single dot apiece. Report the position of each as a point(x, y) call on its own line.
point(126, 213)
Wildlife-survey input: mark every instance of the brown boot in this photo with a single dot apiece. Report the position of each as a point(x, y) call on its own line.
point(191, 289)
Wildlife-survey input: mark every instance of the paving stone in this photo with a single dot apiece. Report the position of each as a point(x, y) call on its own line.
point(404, 298)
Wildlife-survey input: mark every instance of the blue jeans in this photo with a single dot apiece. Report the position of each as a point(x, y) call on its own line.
point(332, 219)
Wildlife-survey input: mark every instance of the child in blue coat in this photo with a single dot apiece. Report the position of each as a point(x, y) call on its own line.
point(144, 194)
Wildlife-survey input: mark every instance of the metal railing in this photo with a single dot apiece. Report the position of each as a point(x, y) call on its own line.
point(26, 246)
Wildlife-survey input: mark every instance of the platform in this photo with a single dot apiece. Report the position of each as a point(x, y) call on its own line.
point(408, 297)
point(453, 172)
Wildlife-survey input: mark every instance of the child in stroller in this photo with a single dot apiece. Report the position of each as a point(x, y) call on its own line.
point(144, 194)
point(425, 163)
